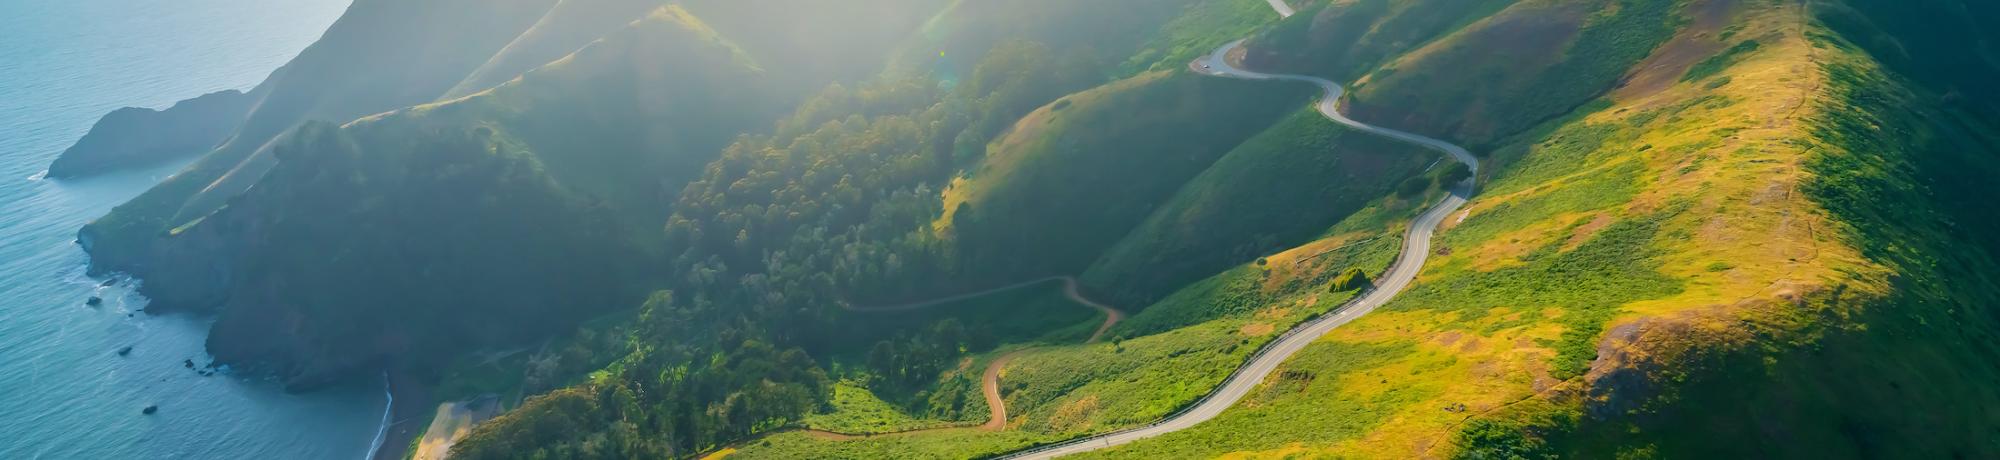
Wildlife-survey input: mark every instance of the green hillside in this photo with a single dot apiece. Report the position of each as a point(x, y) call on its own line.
point(1345, 40)
point(420, 49)
point(809, 44)
point(1636, 282)
point(566, 26)
point(788, 229)
point(510, 214)
point(1530, 62)
point(630, 119)
point(1125, 36)
point(1892, 361)
point(1277, 190)
point(1014, 214)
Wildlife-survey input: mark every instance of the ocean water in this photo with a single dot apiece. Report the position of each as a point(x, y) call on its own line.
point(64, 391)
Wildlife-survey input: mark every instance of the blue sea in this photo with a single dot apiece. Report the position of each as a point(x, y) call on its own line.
point(65, 393)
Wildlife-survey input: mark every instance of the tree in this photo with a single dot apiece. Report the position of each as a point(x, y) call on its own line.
point(1454, 174)
point(1413, 186)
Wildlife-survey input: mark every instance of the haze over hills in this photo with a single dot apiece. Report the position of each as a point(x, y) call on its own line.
point(928, 229)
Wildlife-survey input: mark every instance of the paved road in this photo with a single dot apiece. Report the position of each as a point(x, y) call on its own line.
point(1284, 9)
point(1416, 248)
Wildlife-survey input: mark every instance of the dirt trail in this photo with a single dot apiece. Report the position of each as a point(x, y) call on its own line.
point(1111, 315)
point(990, 385)
point(989, 381)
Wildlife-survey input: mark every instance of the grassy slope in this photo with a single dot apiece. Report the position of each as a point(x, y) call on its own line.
point(624, 120)
point(564, 28)
point(1344, 40)
point(1381, 387)
point(1171, 125)
point(583, 165)
point(1530, 62)
point(1276, 190)
point(423, 47)
point(1754, 320)
point(1894, 359)
point(1136, 34)
point(1637, 214)
point(1198, 29)
point(811, 43)
point(1037, 313)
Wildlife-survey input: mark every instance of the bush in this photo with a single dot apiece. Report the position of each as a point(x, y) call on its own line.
point(1350, 280)
point(1454, 173)
point(1413, 186)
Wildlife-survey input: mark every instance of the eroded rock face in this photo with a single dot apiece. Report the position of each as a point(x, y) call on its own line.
point(135, 137)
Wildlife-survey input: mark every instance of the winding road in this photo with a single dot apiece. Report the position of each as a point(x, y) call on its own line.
point(1416, 249)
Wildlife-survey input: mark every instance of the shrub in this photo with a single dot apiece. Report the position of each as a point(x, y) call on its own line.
point(1454, 173)
point(1350, 280)
point(1413, 186)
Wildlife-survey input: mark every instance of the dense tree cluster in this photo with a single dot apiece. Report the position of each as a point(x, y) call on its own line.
point(669, 398)
point(911, 360)
point(838, 203)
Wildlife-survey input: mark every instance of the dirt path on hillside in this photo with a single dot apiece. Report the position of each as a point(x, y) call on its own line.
point(1111, 315)
point(989, 381)
point(990, 385)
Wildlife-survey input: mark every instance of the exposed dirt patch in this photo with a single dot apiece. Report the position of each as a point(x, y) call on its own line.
point(1583, 232)
point(1256, 329)
point(1449, 338)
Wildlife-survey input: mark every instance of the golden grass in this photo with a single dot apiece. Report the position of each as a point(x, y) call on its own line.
point(1749, 247)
